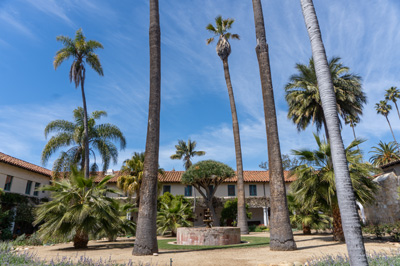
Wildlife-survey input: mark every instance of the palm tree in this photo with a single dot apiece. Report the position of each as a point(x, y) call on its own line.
point(173, 215)
point(146, 232)
point(303, 98)
point(79, 207)
point(224, 50)
point(80, 50)
point(383, 108)
point(186, 151)
point(315, 184)
point(353, 121)
point(131, 177)
point(393, 94)
point(345, 193)
point(100, 138)
point(384, 153)
point(281, 235)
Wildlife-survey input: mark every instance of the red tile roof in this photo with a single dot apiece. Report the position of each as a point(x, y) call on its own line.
point(389, 164)
point(4, 158)
point(175, 177)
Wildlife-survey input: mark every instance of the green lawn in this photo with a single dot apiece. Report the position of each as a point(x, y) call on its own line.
point(253, 242)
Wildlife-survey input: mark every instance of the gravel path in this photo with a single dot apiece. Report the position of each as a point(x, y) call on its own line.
point(121, 251)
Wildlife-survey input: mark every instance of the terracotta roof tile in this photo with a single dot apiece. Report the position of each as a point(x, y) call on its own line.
point(4, 158)
point(175, 177)
point(389, 164)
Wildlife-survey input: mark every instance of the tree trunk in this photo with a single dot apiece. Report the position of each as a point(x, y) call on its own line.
point(146, 232)
point(214, 218)
point(398, 113)
point(281, 235)
point(80, 240)
point(338, 234)
point(85, 129)
point(354, 132)
point(391, 130)
point(306, 229)
point(241, 205)
point(345, 193)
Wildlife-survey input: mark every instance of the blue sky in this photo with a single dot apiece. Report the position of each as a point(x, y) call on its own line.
point(194, 104)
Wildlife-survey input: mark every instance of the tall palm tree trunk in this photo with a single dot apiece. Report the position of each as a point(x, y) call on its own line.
point(354, 132)
point(281, 235)
point(391, 130)
point(85, 128)
point(242, 218)
point(146, 232)
point(345, 193)
point(397, 108)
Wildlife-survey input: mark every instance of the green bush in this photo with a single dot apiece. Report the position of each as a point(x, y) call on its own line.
point(391, 229)
point(229, 212)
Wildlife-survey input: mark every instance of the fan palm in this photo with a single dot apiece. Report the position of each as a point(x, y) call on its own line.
point(303, 97)
point(101, 138)
point(173, 215)
point(131, 177)
point(223, 49)
point(79, 207)
point(384, 153)
point(383, 108)
point(186, 151)
point(281, 234)
point(146, 233)
point(80, 51)
point(315, 183)
point(346, 198)
point(393, 94)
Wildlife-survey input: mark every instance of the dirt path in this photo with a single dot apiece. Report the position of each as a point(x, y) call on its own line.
point(121, 251)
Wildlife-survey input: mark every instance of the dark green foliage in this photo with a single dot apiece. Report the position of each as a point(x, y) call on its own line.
point(229, 212)
point(380, 230)
point(208, 171)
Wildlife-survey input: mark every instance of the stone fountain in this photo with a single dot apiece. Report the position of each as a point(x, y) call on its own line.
point(208, 236)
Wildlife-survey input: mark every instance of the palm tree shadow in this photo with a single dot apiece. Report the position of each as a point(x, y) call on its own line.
point(333, 243)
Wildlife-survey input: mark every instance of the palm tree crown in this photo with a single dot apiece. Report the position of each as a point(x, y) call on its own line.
point(221, 29)
point(101, 138)
point(80, 50)
point(383, 108)
point(186, 151)
point(302, 94)
point(384, 153)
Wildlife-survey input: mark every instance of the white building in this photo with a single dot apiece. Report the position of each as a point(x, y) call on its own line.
point(18, 176)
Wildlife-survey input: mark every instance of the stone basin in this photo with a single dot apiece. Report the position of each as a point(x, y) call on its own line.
point(202, 236)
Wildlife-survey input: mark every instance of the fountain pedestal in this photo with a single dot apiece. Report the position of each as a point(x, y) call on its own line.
point(215, 236)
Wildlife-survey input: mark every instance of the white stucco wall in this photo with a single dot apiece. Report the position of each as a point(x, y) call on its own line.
point(20, 179)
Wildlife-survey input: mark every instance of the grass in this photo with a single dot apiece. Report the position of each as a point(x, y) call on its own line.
point(253, 242)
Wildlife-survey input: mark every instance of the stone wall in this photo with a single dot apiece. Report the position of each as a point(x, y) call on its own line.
point(386, 207)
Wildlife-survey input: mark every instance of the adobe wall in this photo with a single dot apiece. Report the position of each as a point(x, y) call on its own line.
point(386, 207)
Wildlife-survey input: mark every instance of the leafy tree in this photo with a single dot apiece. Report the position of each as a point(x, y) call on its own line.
point(131, 177)
point(186, 151)
point(79, 207)
point(146, 233)
point(287, 163)
point(393, 94)
point(346, 197)
point(100, 139)
point(281, 235)
point(229, 212)
point(176, 213)
point(303, 97)
point(315, 184)
point(310, 217)
point(206, 176)
point(80, 50)
point(383, 108)
point(224, 50)
point(384, 153)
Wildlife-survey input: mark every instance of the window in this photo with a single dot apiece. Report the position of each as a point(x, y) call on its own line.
point(188, 191)
point(7, 186)
point(35, 192)
point(231, 190)
point(211, 188)
point(28, 187)
point(166, 188)
point(253, 190)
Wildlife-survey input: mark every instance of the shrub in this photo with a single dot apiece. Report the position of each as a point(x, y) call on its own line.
point(391, 229)
point(229, 212)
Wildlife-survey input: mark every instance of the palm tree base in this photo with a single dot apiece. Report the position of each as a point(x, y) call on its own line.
point(338, 234)
point(306, 230)
point(285, 245)
point(81, 240)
